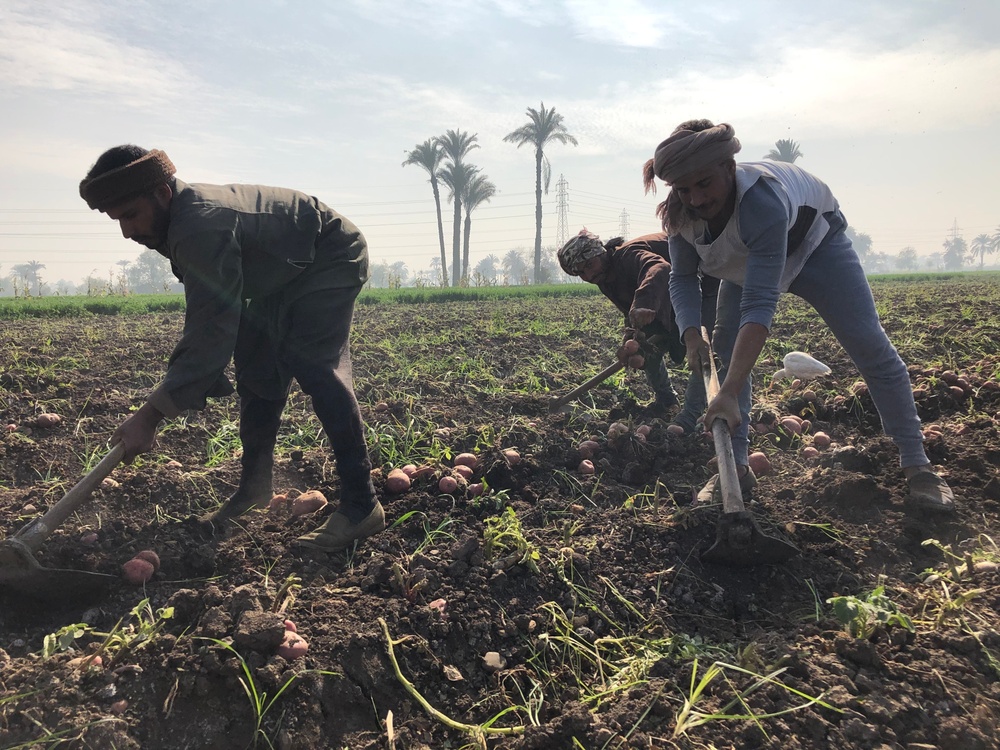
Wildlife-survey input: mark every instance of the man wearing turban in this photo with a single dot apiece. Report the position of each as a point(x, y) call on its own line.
point(766, 228)
point(270, 279)
point(635, 276)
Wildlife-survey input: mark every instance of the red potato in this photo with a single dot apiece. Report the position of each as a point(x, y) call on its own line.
point(137, 572)
point(397, 481)
point(85, 662)
point(381, 406)
point(89, 539)
point(675, 429)
point(806, 426)
point(409, 470)
point(289, 625)
point(810, 452)
point(308, 502)
point(796, 383)
point(448, 485)
point(956, 391)
point(586, 467)
point(760, 464)
point(422, 471)
point(149, 556)
point(636, 361)
point(761, 429)
point(278, 502)
point(588, 448)
point(475, 490)
point(630, 347)
point(643, 430)
point(439, 605)
point(950, 377)
point(792, 425)
point(47, 420)
point(11, 427)
point(809, 395)
point(464, 471)
point(467, 459)
point(512, 457)
point(292, 646)
point(821, 440)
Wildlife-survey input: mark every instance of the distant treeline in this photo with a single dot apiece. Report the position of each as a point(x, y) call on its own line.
point(141, 304)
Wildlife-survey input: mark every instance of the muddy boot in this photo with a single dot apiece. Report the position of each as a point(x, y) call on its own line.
point(340, 532)
point(930, 492)
point(259, 422)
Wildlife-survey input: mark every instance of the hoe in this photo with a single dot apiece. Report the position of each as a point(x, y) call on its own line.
point(21, 572)
point(739, 541)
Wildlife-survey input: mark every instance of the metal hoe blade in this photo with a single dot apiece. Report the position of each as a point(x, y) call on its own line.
point(22, 573)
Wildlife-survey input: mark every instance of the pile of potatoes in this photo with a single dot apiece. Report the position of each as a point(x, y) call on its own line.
point(458, 478)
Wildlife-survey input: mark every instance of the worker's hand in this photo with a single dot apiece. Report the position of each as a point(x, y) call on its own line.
point(724, 407)
point(641, 317)
point(138, 432)
point(699, 355)
point(629, 353)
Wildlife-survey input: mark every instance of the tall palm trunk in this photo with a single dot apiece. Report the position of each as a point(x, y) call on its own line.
point(444, 256)
point(465, 246)
point(538, 215)
point(456, 253)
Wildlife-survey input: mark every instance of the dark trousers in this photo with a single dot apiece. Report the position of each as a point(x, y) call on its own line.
point(303, 332)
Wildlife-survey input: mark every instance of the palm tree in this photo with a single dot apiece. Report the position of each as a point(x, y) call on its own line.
point(514, 267)
point(456, 144)
point(785, 150)
point(544, 126)
point(478, 190)
point(982, 246)
point(428, 155)
point(456, 178)
point(487, 268)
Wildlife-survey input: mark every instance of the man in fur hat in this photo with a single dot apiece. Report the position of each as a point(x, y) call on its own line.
point(270, 279)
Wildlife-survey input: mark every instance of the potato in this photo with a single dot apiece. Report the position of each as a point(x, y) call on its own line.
point(448, 484)
point(289, 625)
point(422, 471)
point(397, 481)
point(89, 539)
point(675, 429)
point(137, 571)
point(643, 430)
point(588, 448)
point(308, 502)
point(806, 426)
point(467, 459)
point(809, 395)
point(956, 391)
point(791, 425)
point(381, 406)
point(512, 456)
point(636, 361)
point(409, 470)
point(630, 347)
point(292, 646)
point(464, 471)
point(149, 556)
point(586, 467)
point(278, 502)
point(475, 490)
point(796, 383)
point(821, 440)
point(11, 427)
point(760, 464)
point(47, 420)
point(810, 452)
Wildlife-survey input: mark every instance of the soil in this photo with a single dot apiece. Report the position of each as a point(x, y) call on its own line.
point(584, 636)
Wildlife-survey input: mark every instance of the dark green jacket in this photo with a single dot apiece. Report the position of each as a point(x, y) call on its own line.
point(231, 243)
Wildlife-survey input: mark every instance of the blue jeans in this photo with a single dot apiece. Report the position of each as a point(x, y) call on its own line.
point(833, 282)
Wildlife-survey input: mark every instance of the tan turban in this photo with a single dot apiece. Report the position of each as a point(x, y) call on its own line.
point(139, 177)
point(687, 151)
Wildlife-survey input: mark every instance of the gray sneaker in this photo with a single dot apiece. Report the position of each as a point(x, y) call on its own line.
point(930, 492)
point(338, 533)
point(712, 491)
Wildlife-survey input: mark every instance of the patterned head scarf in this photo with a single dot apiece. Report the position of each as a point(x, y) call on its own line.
point(579, 250)
point(139, 177)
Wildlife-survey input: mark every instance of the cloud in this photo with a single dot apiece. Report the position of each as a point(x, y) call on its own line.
point(49, 52)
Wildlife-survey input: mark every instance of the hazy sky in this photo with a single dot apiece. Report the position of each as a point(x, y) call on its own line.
point(896, 105)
